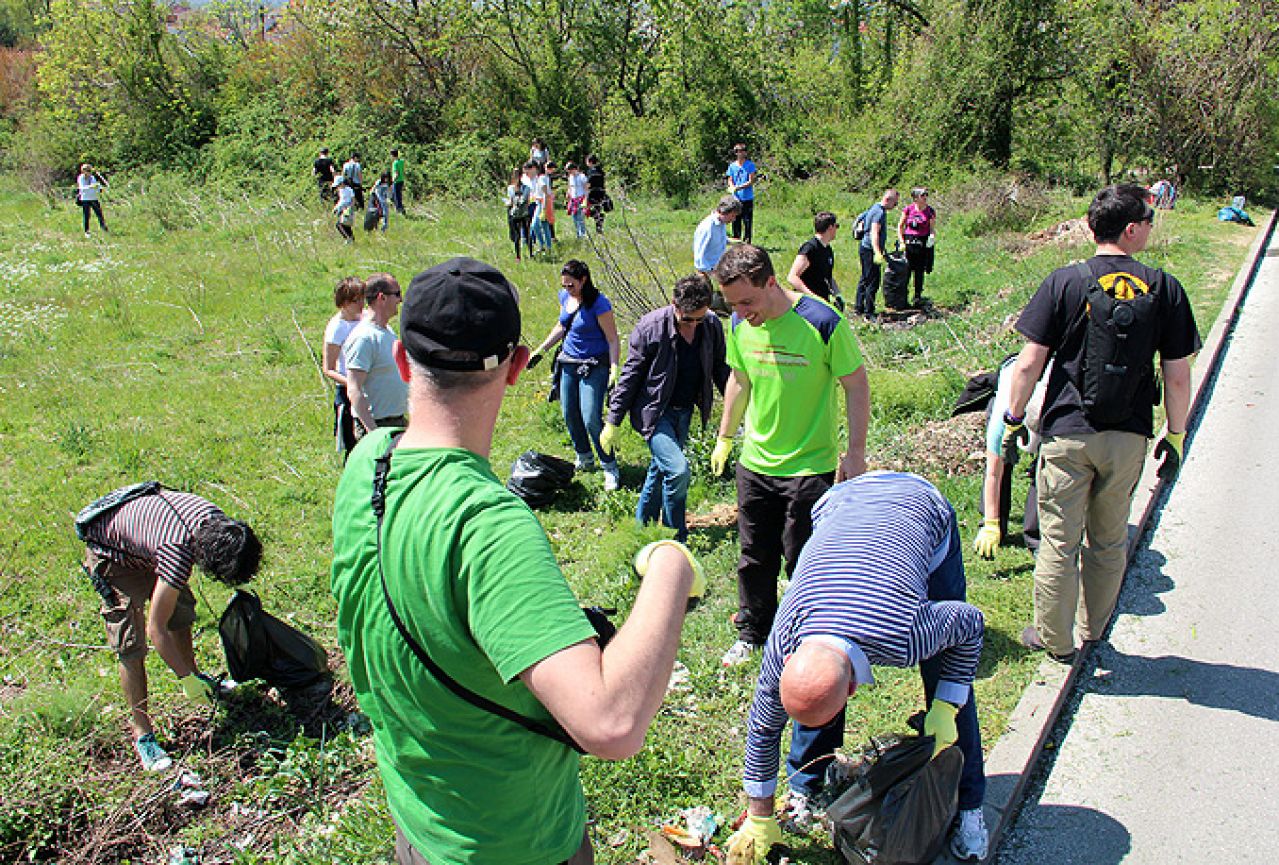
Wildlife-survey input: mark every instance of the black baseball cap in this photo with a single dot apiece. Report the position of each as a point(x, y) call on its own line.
point(460, 315)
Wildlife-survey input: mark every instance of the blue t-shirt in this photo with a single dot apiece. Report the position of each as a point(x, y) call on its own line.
point(876, 214)
point(585, 337)
point(740, 174)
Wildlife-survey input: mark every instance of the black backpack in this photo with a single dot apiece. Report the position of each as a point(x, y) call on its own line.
point(260, 646)
point(1119, 349)
point(519, 203)
point(859, 227)
point(104, 505)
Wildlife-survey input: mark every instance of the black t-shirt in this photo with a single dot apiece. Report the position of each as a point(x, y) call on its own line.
point(1056, 317)
point(324, 168)
point(595, 181)
point(688, 370)
point(821, 265)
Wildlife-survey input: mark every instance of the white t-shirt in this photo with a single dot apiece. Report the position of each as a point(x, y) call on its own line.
point(336, 332)
point(577, 185)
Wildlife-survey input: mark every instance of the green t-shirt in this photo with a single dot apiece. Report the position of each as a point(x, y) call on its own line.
point(473, 577)
point(397, 170)
point(793, 363)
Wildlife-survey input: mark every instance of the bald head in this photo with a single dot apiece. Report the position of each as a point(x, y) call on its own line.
point(816, 683)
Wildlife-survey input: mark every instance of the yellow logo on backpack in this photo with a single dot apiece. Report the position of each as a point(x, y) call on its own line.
point(1123, 286)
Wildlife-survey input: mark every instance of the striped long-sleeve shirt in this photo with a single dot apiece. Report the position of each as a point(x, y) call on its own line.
point(153, 533)
point(862, 579)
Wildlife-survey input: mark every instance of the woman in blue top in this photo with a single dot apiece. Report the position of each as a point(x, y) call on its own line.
point(588, 365)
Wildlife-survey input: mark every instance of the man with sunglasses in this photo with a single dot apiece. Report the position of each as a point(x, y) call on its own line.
point(676, 354)
point(1098, 412)
point(379, 397)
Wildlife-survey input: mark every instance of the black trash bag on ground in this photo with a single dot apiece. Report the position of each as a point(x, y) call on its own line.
point(900, 805)
point(537, 477)
point(896, 279)
point(260, 646)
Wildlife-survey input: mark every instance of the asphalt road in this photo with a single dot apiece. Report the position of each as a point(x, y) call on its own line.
point(1171, 752)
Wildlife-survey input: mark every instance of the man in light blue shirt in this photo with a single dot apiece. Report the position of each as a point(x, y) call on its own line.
point(741, 182)
point(710, 240)
point(872, 248)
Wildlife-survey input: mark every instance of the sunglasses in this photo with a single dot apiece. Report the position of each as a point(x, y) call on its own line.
point(692, 319)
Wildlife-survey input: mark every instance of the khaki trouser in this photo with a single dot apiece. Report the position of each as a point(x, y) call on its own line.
point(1085, 485)
point(407, 854)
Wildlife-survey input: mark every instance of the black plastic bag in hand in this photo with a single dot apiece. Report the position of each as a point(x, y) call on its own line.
point(260, 646)
point(900, 805)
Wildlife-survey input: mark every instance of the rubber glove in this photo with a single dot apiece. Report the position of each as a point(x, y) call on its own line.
point(719, 456)
point(750, 844)
point(613, 373)
point(642, 558)
point(1015, 433)
point(988, 539)
point(534, 360)
point(1168, 453)
point(608, 437)
point(940, 724)
point(879, 259)
point(198, 687)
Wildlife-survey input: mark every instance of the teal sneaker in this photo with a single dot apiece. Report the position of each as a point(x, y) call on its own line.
point(153, 757)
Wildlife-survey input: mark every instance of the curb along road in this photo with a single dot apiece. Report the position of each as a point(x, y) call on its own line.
point(1015, 756)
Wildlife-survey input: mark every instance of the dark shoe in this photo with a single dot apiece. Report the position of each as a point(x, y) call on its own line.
point(1030, 639)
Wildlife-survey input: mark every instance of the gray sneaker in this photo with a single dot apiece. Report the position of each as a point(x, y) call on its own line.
point(584, 463)
point(969, 839)
point(739, 653)
point(612, 477)
point(153, 757)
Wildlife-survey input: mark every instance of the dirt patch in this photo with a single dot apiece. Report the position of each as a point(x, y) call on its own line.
point(720, 516)
point(943, 447)
point(1072, 232)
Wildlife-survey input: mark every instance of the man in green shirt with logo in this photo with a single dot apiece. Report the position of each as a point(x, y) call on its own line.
point(397, 181)
point(787, 351)
point(467, 650)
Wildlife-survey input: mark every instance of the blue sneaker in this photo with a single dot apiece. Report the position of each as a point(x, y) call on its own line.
point(153, 757)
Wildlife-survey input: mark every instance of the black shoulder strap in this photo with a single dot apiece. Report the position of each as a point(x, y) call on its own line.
point(378, 502)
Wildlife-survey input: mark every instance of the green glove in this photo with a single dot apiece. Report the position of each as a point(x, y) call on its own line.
point(879, 258)
point(608, 437)
point(1168, 453)
point(719, 456)
point(613, 373)
point(988, 538)
point(198, 688)
point(750, 844)
point(1015, 433)
point(940, 724)
point(697, 589)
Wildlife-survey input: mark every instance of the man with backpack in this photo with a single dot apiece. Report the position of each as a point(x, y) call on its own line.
point(1102, 322)
point(880, 582)
point(140, 545)
point(480, 674)
point(872, 232)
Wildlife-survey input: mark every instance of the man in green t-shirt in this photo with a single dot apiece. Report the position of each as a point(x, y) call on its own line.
point(787, 351)
point(462, 568)
point(397, 181)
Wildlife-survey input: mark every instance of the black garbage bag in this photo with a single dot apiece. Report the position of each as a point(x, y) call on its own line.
point(260, 646)
point(896, 278)
point(537, 477)
point(900, 805)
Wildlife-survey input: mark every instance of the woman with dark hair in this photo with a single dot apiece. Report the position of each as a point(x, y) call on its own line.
point(916, 231)
point(587, 365)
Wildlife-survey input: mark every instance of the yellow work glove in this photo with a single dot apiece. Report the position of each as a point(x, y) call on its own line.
point(642, 558)
point(719, 456)
point(1168, 453)
point(1015, 433)
point(879, 258)
point(988, 538)
point(198, 688)
point(940, 724)
point(750, 844)
point(608, 437)
point(613, 372)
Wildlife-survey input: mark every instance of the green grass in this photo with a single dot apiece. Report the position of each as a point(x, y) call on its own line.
point(183, 348)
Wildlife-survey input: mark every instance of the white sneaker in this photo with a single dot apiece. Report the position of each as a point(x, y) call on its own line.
point(969, 838)
point(153, 757)
point(612, 478)
point(797, 815)
point(739, 653)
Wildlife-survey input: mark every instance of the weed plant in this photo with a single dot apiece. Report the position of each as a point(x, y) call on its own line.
point(183, 346)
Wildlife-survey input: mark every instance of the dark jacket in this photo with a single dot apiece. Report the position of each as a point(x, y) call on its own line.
point(647, 381)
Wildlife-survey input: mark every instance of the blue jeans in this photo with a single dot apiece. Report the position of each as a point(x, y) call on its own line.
point(579, 220)
point(582, 398)
point(811, 744)
point(868, 285)
point(665, 490)
point(540, 231)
